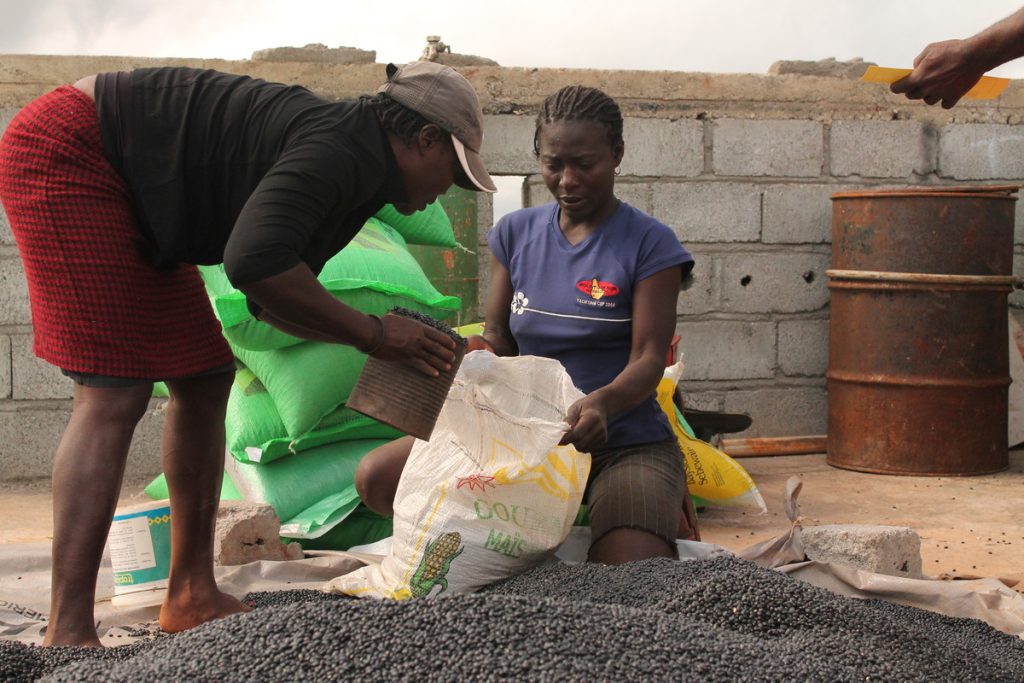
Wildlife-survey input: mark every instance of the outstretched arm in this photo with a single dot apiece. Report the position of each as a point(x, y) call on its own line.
point(945, 71)
point(654, 321)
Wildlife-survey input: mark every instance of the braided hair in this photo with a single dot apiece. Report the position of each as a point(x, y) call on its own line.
point(580, 103)
point(397, 118)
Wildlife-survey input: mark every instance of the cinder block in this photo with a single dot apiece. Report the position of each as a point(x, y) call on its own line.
point(798, 214)
point(659, 147)
point(14, 309)
point(536, 192)
point(1017, 295)
point(249, 532)
point(484, 281)
point(881, 149)
point(6, 114)
point(144, 456)
point(6, 237)
point(803, 347)
point(484, 212)
point(29, 436)
point(33, 378)
point(727, 349)
point(508, 144)
point(1018, 222)
point(700, 400)
point(5, 366)
point(637, 195)
point(710, 212)
point(782, 411)
point(981, 151)
point(742, 147)
point(892, 550)
point(703, 292)
point(779, 282)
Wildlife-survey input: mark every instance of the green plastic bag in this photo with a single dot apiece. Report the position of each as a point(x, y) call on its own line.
point(360, 527)
point(157, 489)
point(307, 381)
point(430, 227)
point(256, 433)
point(318, 482)
point(373, 274)
point(319, 518)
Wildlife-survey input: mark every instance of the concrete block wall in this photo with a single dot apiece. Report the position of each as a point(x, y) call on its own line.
point(740, 166)
point(751, 200)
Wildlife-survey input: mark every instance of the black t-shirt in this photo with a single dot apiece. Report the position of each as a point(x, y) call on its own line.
point(229, 168)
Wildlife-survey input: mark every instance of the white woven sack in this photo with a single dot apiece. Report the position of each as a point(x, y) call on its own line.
point(492, 493)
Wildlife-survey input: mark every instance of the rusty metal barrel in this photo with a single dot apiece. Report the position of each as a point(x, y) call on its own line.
point(918, 372)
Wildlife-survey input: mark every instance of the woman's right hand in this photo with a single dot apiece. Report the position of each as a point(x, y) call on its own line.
point(407, 340)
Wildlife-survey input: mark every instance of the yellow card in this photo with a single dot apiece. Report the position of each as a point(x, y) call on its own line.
point(988, 88)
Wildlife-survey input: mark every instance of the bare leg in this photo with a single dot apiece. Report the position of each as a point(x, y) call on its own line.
point(622, 545)
point(87, 472)
point(193, 462)
point(378, 474)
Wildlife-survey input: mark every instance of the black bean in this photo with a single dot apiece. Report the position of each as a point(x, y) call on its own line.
point(431, 322)
point(713, 620)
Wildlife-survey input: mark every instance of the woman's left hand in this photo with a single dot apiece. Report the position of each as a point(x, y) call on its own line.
point(588, 425)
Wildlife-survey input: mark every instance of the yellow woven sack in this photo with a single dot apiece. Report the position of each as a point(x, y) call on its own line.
point(710, 473)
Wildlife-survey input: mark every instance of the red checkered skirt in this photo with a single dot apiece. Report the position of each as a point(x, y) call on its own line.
point(98, 306)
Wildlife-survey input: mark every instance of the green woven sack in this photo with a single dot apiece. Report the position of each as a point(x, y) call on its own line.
point(373, 274)
point(255, 432)
point(319, 518)
point(306, 382)
point(316, 481)
point(430, 227)
point(360, 527)
point(157, 489)
point(251, 417)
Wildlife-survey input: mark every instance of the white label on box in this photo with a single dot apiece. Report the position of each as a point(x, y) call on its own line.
point(131, 545)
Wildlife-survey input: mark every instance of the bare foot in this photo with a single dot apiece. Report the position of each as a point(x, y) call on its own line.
point(182, 612)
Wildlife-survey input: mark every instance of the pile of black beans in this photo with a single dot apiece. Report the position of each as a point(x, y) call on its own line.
point(714, 620)
point(430, 322)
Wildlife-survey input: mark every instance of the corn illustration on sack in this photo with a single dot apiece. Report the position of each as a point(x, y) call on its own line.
point(710, 473)
point(492, 493)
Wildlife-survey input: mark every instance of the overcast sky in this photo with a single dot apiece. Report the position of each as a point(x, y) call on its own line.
point(677, 35)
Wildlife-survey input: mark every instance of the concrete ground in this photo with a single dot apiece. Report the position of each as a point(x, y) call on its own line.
point(969, 526)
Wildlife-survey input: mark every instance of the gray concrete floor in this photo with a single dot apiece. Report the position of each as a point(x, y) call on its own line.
point(969, 526)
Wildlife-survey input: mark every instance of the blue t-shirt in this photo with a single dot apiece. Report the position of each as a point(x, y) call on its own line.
point(574, 303)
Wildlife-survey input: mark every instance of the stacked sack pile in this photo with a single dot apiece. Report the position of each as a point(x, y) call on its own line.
point(292, 442)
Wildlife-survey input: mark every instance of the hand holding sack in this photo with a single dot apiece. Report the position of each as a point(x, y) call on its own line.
point(492, 493)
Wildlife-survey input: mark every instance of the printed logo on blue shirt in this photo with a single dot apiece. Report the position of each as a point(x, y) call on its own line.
point(519, 303)
point(597, 290)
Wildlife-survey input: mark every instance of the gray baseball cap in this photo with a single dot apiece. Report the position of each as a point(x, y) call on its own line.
point(444, 97)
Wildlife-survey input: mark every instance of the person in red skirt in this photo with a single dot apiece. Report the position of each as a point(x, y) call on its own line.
point(118, 185)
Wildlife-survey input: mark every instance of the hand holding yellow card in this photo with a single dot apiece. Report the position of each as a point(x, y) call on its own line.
point(988, 88)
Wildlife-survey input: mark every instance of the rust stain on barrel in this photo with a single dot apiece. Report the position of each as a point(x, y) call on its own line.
point(918, 359)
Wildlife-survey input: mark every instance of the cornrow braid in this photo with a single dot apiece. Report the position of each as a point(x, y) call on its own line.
point(580, 103)
point(397, 118)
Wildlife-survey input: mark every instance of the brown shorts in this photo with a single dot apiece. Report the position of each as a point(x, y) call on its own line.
point(637, 487)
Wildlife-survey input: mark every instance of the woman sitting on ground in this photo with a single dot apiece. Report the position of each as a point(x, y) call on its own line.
point(592, 282)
